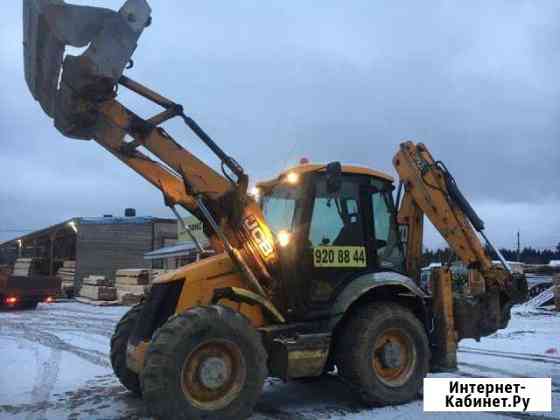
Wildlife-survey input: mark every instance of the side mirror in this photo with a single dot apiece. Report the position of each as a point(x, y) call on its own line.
point(334, 177)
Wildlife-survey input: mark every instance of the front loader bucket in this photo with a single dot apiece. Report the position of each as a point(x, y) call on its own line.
point(110, 37)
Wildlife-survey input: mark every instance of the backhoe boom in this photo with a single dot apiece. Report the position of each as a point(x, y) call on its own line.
point(430, 190)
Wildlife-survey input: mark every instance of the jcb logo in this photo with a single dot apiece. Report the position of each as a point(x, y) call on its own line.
point(252, 225)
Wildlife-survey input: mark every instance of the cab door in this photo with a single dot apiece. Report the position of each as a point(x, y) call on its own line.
point(337, 246)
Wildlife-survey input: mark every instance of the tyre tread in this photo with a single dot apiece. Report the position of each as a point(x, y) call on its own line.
point(354, 335)
point(159, 364)
point(119, 341)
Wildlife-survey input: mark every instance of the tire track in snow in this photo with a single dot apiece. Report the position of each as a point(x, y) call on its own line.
point(46, 376)
point(44, 384)
point(99, 327)
point(510, 355)
point(105, 324)
point(555, 389)
point(56, 343)
point(544, 356)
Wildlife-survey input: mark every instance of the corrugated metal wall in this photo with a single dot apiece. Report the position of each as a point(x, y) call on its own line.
point(164, 232)
point(104, 248)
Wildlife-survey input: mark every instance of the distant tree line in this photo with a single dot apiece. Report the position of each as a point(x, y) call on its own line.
point(527, 255)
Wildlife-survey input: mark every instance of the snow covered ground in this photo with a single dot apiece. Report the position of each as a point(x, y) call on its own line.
point(55, 365)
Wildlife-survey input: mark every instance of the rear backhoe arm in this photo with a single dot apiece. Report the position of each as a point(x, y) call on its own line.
point(485, 305)
point(431, 190)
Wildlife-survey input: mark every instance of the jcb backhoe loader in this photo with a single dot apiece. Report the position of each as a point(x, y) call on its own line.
point(321, 272)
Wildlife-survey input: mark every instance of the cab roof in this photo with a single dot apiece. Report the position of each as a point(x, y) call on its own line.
point(312, 167)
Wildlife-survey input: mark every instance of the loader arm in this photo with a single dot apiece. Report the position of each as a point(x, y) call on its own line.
point(79, 93)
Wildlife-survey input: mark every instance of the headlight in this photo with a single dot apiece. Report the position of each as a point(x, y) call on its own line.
point(283, 237)
point(255, 192)
point(292, 178)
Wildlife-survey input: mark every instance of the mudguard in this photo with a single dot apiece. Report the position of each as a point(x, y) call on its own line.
point(366, 283)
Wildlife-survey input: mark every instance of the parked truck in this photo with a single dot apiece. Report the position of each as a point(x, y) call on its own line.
point(21, 292)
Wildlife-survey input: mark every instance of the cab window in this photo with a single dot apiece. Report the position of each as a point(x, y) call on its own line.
point(279, 206)
point(336, 218)
point(389, 251)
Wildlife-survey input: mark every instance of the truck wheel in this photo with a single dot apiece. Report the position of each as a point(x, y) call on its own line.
point(30, 305)
point(206, 363)
point(383, 350)
point(119, 341)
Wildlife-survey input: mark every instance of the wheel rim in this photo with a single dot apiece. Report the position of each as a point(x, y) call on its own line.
point(394, 357)
point(213, 374)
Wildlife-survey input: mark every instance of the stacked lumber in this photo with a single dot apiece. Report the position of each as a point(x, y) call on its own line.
point(154, 272)
point(98, 288)
point(23, 267)
point(132, 284)
point(66, 273)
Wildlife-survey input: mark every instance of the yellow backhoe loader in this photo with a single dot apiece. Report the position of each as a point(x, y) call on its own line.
point(319, 272)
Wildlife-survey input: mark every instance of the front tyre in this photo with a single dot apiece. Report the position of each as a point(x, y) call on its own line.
point(383, 350)
point(119, 342)
point(206, 363)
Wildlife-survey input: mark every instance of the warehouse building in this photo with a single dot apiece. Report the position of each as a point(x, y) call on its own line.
point(98, 245)
point(184, 251)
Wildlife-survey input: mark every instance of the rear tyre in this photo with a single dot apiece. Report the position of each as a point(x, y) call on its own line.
point(206, 363)
point(383, 350)
point(119, 341)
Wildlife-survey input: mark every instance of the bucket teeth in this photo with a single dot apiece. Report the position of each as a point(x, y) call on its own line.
point(110, 39)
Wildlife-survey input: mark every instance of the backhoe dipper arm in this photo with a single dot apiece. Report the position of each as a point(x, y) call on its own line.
point(431, 190)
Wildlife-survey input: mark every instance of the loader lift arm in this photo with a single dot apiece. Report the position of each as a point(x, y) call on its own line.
point(83, 105)
point(184, 179)
point(116, 122)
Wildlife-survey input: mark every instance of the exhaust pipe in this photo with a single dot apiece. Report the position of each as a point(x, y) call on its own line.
point(68, 86)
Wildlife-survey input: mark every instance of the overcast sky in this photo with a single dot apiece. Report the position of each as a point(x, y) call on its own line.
point(478, 82)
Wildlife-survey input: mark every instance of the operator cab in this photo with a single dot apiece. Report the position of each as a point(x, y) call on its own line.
point(333, 223)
